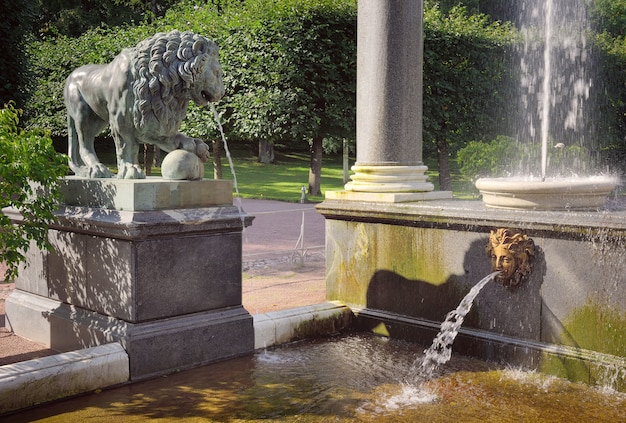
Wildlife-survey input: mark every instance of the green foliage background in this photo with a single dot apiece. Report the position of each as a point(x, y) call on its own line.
point(290, 70)
point(465, 79)
point(19, 16)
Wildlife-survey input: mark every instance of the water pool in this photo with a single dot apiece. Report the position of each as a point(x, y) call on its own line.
point(348, 378)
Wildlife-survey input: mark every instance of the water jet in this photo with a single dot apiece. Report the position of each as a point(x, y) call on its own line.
point(564, 86)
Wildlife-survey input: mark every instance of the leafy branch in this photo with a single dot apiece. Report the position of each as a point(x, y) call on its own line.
point(30, 169)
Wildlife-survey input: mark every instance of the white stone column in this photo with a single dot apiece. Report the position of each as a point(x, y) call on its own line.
point(389, 105)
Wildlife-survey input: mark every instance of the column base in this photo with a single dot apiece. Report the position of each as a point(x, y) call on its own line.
point(387, 197)
point(389, 179)
point(389, 184)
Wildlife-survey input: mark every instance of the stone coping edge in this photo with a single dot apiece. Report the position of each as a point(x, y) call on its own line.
point(474, 215)
point(41, 380)
point(280, 327)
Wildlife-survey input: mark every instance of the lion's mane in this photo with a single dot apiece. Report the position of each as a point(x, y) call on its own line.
point(162, 65)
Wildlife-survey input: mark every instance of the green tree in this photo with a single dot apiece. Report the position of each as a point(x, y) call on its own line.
point(609, 16)
point(488, 159)
point(30, 169)
point(465, 65)
point(609, 93)
point(505, 156)
point(290, 72)
point(294, 76)
point(54, 59)
point(14, 31)
point(446, 5)
point(74, 17)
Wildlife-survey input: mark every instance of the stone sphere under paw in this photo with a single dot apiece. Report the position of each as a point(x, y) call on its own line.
point(181, 164)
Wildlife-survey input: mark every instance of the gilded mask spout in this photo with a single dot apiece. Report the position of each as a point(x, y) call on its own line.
point(510, 253)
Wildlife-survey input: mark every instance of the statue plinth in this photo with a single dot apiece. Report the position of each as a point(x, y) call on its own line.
point(152, 264)
point(152, 193)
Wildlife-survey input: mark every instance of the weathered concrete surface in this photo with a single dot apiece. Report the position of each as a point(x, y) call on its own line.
point(297, 323)
point(415, 262)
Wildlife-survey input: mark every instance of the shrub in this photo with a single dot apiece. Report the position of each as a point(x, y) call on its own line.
point(479, 159)
point(504, 156)
point(27, 160)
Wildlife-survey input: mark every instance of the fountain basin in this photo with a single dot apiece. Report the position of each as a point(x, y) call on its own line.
point(391, 263)
point(552, 194)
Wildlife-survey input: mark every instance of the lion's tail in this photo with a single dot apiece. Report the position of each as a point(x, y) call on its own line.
point(73, 147)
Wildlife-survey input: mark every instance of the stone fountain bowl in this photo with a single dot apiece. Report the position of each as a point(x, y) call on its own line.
point(552, 194)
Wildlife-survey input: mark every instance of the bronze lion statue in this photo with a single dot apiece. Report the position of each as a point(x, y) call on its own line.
point(143, 96)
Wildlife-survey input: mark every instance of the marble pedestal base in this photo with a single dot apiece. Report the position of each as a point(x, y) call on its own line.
point(165, 283)
point(388, 184)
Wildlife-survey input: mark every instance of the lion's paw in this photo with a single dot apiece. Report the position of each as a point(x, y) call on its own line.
point(202, 150)
point(130, 171)
point(98, 171)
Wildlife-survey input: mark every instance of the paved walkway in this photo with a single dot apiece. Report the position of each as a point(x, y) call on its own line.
point(283, 256)
point(283, 267)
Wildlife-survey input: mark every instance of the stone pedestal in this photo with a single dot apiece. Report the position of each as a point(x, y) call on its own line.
point(153, 264)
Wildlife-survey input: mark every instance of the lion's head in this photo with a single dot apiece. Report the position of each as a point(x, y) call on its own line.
point(170, 69)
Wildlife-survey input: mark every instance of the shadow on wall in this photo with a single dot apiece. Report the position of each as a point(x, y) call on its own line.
point(85, 271)
point(394, 293)
point(513, 312)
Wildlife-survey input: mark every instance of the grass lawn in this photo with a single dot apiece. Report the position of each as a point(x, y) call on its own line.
point(283, 180)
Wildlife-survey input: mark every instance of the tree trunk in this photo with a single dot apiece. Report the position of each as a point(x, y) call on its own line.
point(156, 162)
point(346, 162)
point(266, 152)
point(444, 165)
point(315, 170)
point(217, 158)
point(147, 159)
point(151, 158)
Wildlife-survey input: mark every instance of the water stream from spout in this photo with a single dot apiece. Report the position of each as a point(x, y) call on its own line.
point(440, 351)
point(231, 164)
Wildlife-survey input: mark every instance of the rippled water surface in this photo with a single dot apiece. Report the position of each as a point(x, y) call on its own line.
point(348, 378)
